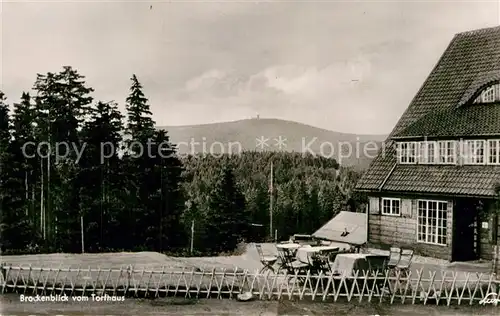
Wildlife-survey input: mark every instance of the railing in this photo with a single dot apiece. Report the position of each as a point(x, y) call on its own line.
point(433, 287)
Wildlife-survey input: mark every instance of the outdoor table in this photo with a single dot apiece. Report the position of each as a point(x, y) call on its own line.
point(288, 249)
point(342, 246)
point(346, 263)
point(288, 246)
point(304, 253)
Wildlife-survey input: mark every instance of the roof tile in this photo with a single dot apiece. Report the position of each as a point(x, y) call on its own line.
point(469, 120)
point(469, 56)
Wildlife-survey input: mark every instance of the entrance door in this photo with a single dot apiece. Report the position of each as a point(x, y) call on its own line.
point(465, 238)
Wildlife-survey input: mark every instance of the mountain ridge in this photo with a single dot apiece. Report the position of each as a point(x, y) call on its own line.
point(273, 120)
point(273, 134)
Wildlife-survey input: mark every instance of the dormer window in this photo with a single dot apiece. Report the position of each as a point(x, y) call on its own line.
point(428, 152)
point(494, 152)
point(407, 152)
point(474, 152)
point(447, 152)
point(489, 94)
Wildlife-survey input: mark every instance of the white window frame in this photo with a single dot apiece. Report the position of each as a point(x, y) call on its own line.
point(427, 157)
point(475, 152)
point(426, 222)
point(403, 152)
point(444, 156)
point(493, 155)
point(489, 94)
point(391, 211)
point(412, 152)
point(448, 152)
point(408, 152)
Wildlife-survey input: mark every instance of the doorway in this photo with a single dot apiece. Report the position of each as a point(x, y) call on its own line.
point(466, 233)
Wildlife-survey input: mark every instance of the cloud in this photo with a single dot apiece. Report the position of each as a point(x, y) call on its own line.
point(292, 82)
point(313, 82)
point(280, 91)
point(336, 65)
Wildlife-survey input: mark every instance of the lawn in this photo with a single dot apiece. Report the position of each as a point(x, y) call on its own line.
point(94, 270)
point(145, 262)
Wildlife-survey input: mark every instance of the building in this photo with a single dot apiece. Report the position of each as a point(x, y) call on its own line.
point(433, 187)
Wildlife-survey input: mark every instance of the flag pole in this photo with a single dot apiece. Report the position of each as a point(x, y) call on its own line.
point(271, 189)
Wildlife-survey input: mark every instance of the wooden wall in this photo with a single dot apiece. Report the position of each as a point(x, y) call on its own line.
point(401, 231)
point(489, 236)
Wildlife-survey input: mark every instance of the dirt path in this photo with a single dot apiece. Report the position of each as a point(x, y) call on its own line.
point(10, 305)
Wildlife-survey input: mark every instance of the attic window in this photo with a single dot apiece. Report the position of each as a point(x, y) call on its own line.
point(489, 94)
point(407, 152)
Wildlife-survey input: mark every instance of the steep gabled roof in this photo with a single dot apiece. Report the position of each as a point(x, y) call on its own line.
point(481, 82)
point(465, 121)
point(469, 57)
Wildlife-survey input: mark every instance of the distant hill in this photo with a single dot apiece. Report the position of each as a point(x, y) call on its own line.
point(230, 137)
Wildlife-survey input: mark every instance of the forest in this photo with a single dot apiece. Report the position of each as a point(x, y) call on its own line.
point(98, 199)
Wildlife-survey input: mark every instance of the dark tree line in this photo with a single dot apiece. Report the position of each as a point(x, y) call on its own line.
point(119, 183)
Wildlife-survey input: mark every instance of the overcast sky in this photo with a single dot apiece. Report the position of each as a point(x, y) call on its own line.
point(344, 66)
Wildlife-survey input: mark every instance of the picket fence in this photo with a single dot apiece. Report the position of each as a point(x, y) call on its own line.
point(433, 287)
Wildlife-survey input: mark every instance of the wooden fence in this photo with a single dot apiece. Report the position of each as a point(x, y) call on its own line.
point(433, 287)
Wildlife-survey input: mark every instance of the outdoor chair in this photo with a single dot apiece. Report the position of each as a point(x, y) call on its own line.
point(405, 261)
point(332, 255)
point(394, 257)
point(323, 262)
point(377, 266)
point(267, 261)
point(285, 260)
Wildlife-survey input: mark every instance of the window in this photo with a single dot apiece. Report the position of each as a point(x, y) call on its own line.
point(474, 152)
point(403, 152)
point(412, 152)
point(494, 152)
point(391, 206)
point(446, 152)
point(490, 94)
point(432, 222)
point(427, 152)
point(408, 152)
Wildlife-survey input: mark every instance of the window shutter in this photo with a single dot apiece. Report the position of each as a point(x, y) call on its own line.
point(374, 203)
point(462, 150)
point(422, 152)
point(406, 208)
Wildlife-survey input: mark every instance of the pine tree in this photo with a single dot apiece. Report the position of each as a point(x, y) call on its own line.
point(140, 131)
point(226, 220)
point(257, 202)
point(15, 231)
point(23, 137)
point(140, 125)
point(62, 103)
point(100, 177)
point(169, 201)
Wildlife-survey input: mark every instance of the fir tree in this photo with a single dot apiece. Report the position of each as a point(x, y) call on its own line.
point(170, 199)
point(15, 231)
point(62, 103)
point(23, 136)
point(140, 125)
point(140, 131)
point(100, 178)
point(226, 220)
